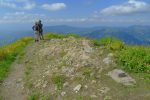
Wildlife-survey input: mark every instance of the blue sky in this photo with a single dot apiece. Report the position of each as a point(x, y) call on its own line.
point(75, 12)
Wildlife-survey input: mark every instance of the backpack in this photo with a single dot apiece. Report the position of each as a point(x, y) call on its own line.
point(35, 28)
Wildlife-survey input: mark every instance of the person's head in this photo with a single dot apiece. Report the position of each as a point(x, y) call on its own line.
point(40, 21)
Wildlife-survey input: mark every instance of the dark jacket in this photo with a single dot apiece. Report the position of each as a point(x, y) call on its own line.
point(36, 28)
point(40, 27)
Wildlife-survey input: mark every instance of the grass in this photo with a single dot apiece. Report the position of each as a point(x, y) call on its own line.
point(86, 72)
point(58, 80)
point(78, 78)
point(34, 96)
point(27, 77)
point(60, 36)
point(39, 96)
point(9, 53)
point(135, 59)
point(111, 43)
point(20, 57)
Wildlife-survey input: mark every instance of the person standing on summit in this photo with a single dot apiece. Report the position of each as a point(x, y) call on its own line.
point(36, 30)
point(41, 30)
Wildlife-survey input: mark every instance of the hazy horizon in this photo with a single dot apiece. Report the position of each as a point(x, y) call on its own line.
point(21, 14)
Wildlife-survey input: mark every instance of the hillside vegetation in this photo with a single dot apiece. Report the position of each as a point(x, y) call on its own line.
point(9, 53)
point(69, 67)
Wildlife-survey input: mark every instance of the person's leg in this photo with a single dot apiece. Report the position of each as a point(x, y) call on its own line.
point(42, 36)
point(38, 36)
point(35, 36)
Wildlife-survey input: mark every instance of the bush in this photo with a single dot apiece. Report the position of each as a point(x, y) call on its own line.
point(96, 42)
point(112, 43)
point(58, 80)
point(135, 59)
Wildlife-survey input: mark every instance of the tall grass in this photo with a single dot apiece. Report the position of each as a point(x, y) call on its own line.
point(135, 59)
point(111, 43)
point(8, 54)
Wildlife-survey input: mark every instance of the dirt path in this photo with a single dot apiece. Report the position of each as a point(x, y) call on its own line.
point(12, 88)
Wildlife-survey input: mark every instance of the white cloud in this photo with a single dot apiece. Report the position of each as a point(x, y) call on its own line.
point(29, 6)
point(7, 4)
point(132, 6)
point(54, 6)
point(21, 17)
point(18, 4)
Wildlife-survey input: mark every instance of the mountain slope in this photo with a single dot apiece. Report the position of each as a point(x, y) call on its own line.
point(122, 35)
point(71, 69)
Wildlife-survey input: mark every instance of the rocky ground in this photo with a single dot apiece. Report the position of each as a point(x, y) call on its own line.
point(73, 69)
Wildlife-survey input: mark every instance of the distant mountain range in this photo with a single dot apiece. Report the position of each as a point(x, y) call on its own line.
point(139, 35)
point(136, 35)
point(10, 36)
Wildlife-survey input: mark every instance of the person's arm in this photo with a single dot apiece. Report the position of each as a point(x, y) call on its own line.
point(33, 27)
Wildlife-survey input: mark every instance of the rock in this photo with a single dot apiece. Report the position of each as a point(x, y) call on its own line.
point(107, 60)
point(107, 98)
point(47, 72)
point(67, 70)
point(65, 84)
point(86, 86)
point(93, 81)
point(104, 90)
point(121, 77)
point(77, 88)
point(19, 80)
point(45, 84)
point(27, 61)
point(38, 84)
point(86, 46)
point(93, 96)
point(110, 55)
point(63, 93)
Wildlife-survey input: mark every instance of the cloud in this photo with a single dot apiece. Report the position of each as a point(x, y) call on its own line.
point(7, 4)
point(54, 6)
point(29, 6)
point(24, 17)
point(21, 17)
point(130, 7)
point(18, 4)
point(30, 18)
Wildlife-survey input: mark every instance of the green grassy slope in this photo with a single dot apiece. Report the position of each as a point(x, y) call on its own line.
point(9, 53)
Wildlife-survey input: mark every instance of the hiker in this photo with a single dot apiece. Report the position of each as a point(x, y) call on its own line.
point(41, 30)
point(36, 30)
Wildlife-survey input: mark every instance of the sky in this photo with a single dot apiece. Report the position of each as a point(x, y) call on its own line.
point(18, 13)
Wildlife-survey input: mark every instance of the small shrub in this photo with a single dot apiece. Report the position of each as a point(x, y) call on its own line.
point(96, 42)
point(58, 80)
point(78, 78)
point(112, 43)
point(34, 96)
point(86, 71)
